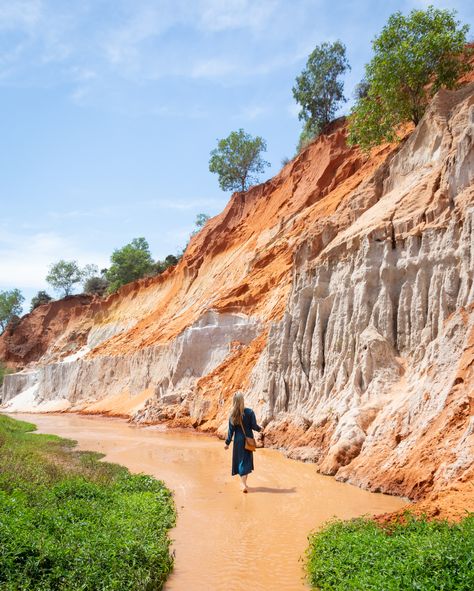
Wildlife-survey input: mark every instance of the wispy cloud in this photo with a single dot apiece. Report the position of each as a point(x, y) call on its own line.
point(25, 258)
point(251, 112)
point(216, 15)
point(181, 204)
point(22, 14)
point(144, 42)
point(213, 68)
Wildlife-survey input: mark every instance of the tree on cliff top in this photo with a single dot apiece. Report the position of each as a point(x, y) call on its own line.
point(414, 56)
point(10, 306)
point(319, 89)
point(129, 263)
point(237, 160)
point(42, 297)
point(63, 275)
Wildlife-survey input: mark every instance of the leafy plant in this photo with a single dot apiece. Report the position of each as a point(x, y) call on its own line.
point(414, 56)
point(319, 89)
point(129, 263)
point(10, 306)
point(96, 285)
point(63, 275)
point(42, 297)
point(414, 555)
point(169, 261)
point(238, 160)
point(69, 521)
point(201, 221)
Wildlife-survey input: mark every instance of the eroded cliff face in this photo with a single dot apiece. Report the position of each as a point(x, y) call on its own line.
point(339, 295)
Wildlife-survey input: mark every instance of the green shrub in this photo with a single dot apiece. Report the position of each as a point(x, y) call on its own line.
point(414, 56)
point(417, 555)
point(68, 521)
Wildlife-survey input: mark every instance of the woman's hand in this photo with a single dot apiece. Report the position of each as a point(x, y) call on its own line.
point(226, 446)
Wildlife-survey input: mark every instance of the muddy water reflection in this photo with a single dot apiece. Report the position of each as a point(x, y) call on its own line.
point(225, 539)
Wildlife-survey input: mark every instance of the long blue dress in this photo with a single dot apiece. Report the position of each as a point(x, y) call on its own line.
point(242, 459)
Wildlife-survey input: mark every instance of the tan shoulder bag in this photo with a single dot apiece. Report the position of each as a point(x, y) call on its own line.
point(250, 443)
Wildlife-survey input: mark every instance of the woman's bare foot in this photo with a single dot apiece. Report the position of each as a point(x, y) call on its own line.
point(243, 483)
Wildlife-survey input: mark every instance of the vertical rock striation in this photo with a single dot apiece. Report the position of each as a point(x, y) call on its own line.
point(367, 354)
point(339, 295)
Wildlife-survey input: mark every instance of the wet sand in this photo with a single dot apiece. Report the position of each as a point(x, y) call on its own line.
point(225, 539)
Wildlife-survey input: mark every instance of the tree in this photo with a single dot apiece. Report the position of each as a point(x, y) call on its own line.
point(10, 306)
point(63, 275)
point(169, 261)
point(96, 285)
point(318, 89)
point(237, 160)
point(414, 56)
point(201, 220)
point(129, 263)
point(42, 297)
point(89, 271)
point(307, 135)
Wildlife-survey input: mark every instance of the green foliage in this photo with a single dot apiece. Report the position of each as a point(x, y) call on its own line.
point(169, 261)
point(69, 521)
point(414, 56)
point(307, 135)
point(129, 263)
point(42, 297)
point(10, 306)
point(237, 160)
point(63, 275)
point(201, 221)
point(89, 271)
point(419, 555)
point(96, 285)
point(318, 89)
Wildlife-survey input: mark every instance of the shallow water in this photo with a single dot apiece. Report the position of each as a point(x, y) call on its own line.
point(225, 539)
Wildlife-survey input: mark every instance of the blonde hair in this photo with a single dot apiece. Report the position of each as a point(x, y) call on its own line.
point(237, 408)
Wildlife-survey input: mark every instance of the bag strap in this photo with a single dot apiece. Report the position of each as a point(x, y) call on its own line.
point(242, 427)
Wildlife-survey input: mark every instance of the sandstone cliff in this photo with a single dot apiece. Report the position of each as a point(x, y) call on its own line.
point(339, 295)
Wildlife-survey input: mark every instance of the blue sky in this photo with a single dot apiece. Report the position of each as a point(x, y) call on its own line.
point(109, 109)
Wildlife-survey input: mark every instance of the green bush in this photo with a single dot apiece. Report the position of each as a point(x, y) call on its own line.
point(414, 56)
point(129, 263)
point(417, 555)
point(68, 521)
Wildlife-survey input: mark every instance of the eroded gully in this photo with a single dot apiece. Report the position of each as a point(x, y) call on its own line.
point(225, 539)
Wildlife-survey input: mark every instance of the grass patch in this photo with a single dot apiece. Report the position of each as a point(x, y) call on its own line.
point(418, 555)
point(68, 521)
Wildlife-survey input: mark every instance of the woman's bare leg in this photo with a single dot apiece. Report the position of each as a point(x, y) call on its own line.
point(244, 482)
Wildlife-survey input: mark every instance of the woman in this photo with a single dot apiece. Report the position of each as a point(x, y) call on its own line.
point(242, 459)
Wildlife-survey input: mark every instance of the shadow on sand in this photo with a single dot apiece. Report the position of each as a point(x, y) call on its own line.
point(269, 489)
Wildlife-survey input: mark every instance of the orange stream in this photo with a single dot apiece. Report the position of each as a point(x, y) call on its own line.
point(225, 539)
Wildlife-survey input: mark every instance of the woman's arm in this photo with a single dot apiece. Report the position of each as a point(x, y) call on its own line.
point(253, 422)
point(230, 433)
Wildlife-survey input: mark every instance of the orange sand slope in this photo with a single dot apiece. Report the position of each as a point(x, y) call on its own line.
point(338, 295)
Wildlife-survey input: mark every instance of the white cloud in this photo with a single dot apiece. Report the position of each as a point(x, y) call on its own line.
point(216, 15)
point(22, 14)
point(25, 258)
point(213, 68)
point(181, 205)
point(252, 112)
